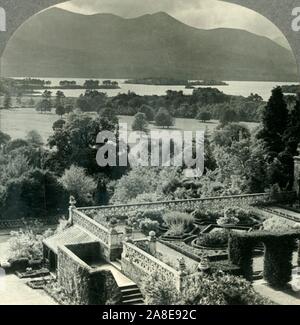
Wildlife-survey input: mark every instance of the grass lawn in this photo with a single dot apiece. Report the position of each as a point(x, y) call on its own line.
point(18, 122)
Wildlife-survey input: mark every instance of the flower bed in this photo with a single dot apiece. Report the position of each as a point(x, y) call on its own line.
point(217, 240)
point(33, 274)
point(197, 253)
point(192, 231)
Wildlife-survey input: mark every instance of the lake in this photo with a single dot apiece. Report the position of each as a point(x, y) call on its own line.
point(238, 88)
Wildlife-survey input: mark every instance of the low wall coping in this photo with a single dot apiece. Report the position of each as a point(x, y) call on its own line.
point(104, 207)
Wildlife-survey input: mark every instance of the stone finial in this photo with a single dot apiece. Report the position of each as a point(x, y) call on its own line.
point(204, 264)
point(152, 236)
point(72, 202)
point(113, 222)
point(182, 265)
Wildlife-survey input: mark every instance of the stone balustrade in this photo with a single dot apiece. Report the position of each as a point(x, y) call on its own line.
point(92, 226)
point(181, 205)
point(137, 264)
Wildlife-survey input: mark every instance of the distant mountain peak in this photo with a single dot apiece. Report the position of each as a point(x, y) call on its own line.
point(60, 43)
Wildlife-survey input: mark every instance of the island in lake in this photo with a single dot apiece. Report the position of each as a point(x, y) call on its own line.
point(29, 85)
point(175, 82)
point(291, 89)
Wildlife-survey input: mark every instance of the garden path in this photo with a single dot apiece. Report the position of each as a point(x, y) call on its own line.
point(14, 291)
point(280, 297)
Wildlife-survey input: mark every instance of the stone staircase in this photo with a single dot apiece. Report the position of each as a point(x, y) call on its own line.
point(131, 295)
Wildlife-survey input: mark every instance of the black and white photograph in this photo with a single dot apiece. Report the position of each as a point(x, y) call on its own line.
point(149, 154)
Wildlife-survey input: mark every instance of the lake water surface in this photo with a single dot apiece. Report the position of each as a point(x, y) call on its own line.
point(238, 88)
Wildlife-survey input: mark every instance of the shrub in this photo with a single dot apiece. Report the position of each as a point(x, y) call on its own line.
point(278, 224)
point(176, 229)
point(148, 225)
point(227, 221)
point(245, 217)
point(159, 292)
point(178, 222)
point(27, 243)
point(134, 218)
point(219, 289)
point(213, 239)
point(77, 183)
point(174, 217)
point(209, 216)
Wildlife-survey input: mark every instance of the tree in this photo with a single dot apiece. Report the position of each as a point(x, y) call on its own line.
point(291, 135)
point(15, 144)
point(138, 181)
point(31, 102)
point(4, 139)
point(59, 100)
point(59, 124)
point(232, 132)
point(109, 114)
point(32, 194)
point(33, 137)
point(209, 158)
point(92, 101)
point(255, 98)
point(204, 116)
point(164, 119)
point(256, 168)
point(7, 101)
point(91, 84)
point(60, 110)
point(75, 143)
point(44, 106)
point(148, 111)
point(19, 99)
point(77, 183)
point(140, 123)
point(275, 122)
point(227, 116)
point(69, 109)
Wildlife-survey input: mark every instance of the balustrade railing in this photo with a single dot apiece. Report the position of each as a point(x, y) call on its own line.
point(92, 226)
point(148, 264)
point(189, 204)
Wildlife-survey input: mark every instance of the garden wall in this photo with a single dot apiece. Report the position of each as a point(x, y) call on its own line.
point(81, 283)
point(110, 239)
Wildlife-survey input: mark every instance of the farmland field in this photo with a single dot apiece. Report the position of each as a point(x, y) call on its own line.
point(18, 122)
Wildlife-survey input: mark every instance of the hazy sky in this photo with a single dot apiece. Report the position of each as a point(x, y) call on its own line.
point(205, 14)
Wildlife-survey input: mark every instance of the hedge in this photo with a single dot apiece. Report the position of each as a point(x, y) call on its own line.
point(241, 254)
point(278, 260)
point(278, 254)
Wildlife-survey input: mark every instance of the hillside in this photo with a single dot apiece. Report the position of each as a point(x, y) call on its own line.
point(58, 43)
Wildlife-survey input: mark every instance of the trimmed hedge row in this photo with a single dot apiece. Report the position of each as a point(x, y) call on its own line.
point(278, 256)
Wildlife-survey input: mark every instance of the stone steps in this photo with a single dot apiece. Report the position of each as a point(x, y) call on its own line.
point(131, 295)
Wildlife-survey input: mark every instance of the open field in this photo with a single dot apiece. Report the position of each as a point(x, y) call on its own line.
point(18, 122)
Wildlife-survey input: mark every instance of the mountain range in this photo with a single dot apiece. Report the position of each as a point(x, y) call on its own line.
point(58, 43)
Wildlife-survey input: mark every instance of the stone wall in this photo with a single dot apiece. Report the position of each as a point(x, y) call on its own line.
point(87, 252)
point(81, 283)
point(109, 239)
